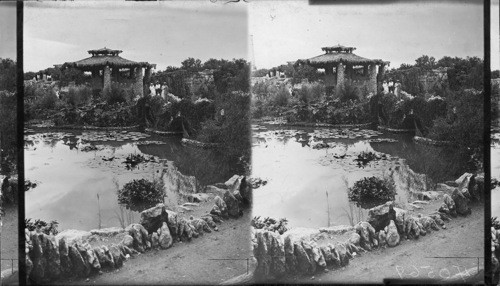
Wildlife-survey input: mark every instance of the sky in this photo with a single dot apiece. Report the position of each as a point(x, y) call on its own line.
point(8, 30)
point(495, 35)
point(163, 33)
point(399, 32)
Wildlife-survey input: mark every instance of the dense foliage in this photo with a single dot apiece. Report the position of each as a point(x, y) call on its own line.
point(8, 115)
point(42, 226)
point(141, 194)
point(371, 191)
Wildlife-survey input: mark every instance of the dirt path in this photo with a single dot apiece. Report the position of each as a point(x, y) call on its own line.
point(189, 262)
point(464, 237)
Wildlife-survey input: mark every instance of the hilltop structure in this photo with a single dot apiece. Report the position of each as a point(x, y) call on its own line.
point(106, 66)
point(341, 65)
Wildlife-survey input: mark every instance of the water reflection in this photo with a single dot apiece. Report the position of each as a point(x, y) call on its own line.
point(71, 180)
point(309, 186)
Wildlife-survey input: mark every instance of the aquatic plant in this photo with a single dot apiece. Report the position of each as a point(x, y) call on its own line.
point(370, 191)
point(141, 194)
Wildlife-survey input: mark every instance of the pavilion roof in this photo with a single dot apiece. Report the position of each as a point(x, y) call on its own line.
point(340, 54)
point(106, 57)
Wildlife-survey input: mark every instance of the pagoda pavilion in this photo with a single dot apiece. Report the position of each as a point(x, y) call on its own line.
point(341, 66)
point(106, 66)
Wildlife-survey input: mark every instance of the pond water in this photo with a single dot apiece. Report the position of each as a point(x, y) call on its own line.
point(309, 185)
point(495, 173)
point(78, 174)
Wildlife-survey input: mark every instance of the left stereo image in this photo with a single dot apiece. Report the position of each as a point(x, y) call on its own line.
point(8, 144)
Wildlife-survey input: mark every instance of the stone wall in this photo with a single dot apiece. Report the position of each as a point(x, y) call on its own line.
point(305, 252)
point(70, 255)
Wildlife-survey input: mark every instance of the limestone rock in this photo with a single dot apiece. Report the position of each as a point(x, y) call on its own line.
point(270, 253)
point(367, 234)
point(66, 265)
point(165, 239)
point(450, 203)
point(215, 190)
point(380, 216)
point(128, 241)
point(318, 257)
point(51, 253)
point(343, 254)
point(392, 235)
point(104, 260)
point(155, 240)
point(200, 225)
point(428, 223)
point(382, 238)
point(309, 251)
point(233, 205)
point(290, 259)
point(80, 268)
point(355, 239)
point(153, 218)
point(461, 203)
point(209, 220)
point(221, 205)
point(118, 256)
point(73, 236)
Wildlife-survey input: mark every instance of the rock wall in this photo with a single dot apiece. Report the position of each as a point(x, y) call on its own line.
point(299, 252)
point(70, 255)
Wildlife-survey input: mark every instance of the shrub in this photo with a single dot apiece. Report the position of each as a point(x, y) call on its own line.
point(141, 194)
point(116, 94)
point(79, 95)
point(348, 92)
point(281, 97)
point(369, 192)
point(43, 226)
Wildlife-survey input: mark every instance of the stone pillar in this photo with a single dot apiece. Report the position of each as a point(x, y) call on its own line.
point(380, 77)
point(138, 82)
point(147, 80)
point(106, 78)
point(340, 77)
point(372, 79)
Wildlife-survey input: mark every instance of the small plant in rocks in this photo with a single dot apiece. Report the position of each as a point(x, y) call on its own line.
point(139, 195)
point(271, 224)
point(371, 191)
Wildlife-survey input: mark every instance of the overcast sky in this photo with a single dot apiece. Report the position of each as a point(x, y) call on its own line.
point(8, 30)
point(495, 35)
point(398, 32)
point(164, 33)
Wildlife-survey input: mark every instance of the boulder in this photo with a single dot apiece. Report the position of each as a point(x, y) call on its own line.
point(461, 203)
point(342, 254)
point(355, 239)
point(155, 239)
point(128, 241)
point(290, 259)
point(308, 248)
point(209, 220)
point(327, 254)
point(269, 251)
point(233, 205)
point(165, 239)
point(450, 203)
point(303, 261)
point(104, 260)
point(118, 256)
point(351, 248)
point(215, 190)
point(125, 250)
point(411, 228)
point(73, 236)
point(392, 235)
point(107, 232)
point(367, 234)
point(29, 265)
point(428, 223)
point(444, 188)
point(39, 260)
point(51, 254)
point(382, 238)
point(200, 225)
point(139, 235)
point(66, 265)
point(438, 220)
point(80, 268)
point(221, 205)
point(153, 218)
point(318, 256)
point(380, 216)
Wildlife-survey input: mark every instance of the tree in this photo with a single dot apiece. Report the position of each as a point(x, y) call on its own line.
point(425, 62)
point(191, 65)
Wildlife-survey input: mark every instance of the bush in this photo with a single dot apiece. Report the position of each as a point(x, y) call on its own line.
point(79, 95)
point(142, 194)
point(8, 130)
point(372, 191)
point(117, 94)
point(348, 92)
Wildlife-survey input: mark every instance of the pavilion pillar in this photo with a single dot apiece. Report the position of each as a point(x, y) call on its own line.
point(380, 77)
point(147, 80)
point(340, 77)
point(138, 82)
point(106, 78)
point(372, 79)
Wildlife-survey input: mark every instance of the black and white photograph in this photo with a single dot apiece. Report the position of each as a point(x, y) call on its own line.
point(9, 205)
point(495, 139)
point(137, 142)
point(226, 142)
point(367, 139)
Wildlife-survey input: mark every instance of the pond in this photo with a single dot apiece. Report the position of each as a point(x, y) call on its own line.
point(308, 185)
point(76, 175)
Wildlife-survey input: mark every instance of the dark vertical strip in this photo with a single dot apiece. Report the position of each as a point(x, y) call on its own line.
point(20, 142)
point(487, 146)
